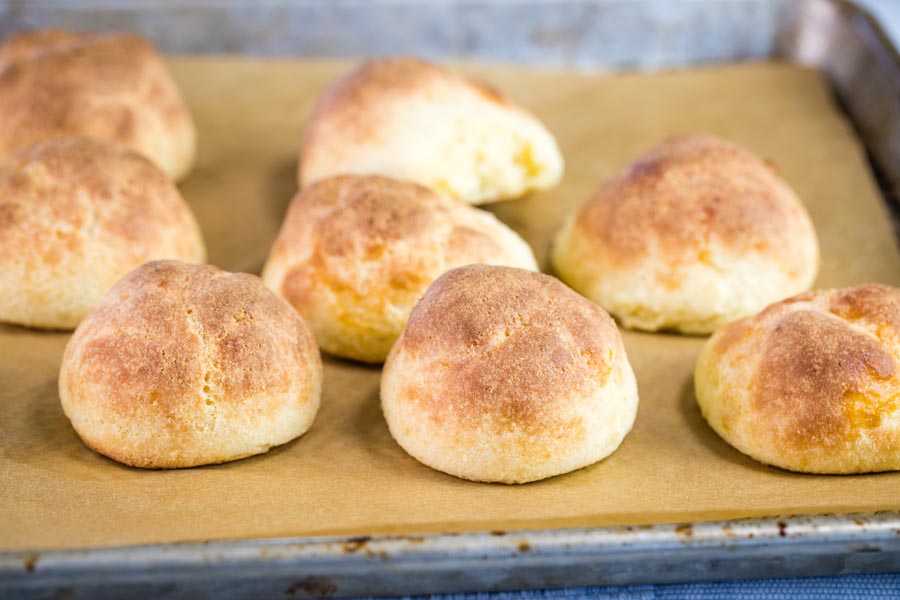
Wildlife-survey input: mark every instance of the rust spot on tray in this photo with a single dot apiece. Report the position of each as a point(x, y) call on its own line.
point(685, 530)
point(312, 587)
point(524, 546)
point(782, 529)
point(498, 532)
point(356, 543)
point(30, 562)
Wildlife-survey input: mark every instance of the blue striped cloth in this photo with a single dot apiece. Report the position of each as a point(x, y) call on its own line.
point(845, 587)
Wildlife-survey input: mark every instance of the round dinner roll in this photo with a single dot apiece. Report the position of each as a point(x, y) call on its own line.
point(355, 254)
point(184, 365)
point(695, 234)
point(75, 216)
point(810, 384)
point(111, 87)
point(410, 119)
point(507, 375)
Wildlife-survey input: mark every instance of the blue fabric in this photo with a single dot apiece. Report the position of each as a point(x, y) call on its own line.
point(846, 587)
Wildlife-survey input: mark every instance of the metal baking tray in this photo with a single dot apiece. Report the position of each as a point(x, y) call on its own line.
point(833, 36)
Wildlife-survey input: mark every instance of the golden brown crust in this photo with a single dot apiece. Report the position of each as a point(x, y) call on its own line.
point(697, 233)
point(171, 308)
point(70, 185)
point(363, 248)
point(347, 105)
point(109, 87)
point(371, 223)
point(347, 219)
point(26, 44)
point(875, 308)
point(811, 384)
point(177, 349)
point(810, 364)
point(77, 209)
point(507, 375)
point(689, 191)
point(552, 344)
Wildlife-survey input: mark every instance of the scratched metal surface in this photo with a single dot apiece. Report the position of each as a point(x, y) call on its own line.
point(325, 567)
point(831, 35)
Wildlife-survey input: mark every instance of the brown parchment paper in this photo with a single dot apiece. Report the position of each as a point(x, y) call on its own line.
point(347, 476)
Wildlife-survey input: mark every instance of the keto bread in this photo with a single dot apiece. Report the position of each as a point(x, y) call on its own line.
point(111, 87)
point(75, 216)
point(696, 233)
point(409, 119)
point(811, 384)
point(507, 375)
point(355, 254)
point(184, 365)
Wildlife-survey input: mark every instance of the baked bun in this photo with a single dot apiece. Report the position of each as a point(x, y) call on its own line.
point(184, 365)
point(695, 234)
point(75, 216)
point(355, 254)
point(810, 384)
point(409, 119)
point(507, 375)
point(109, 87)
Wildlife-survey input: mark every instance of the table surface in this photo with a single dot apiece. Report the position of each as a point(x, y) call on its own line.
point(848, 587)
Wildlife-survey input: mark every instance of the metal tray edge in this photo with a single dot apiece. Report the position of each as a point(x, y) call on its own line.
point(351, 566)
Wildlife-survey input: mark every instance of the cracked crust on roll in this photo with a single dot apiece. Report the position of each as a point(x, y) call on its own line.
point(410, 119)
point(75, 216)
point(111, 87)
point(184, 365)
point(696, 233)
point(811, 384)
point(507, 375)
point(355, 254)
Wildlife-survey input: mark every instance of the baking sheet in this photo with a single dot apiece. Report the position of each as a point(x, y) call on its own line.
point(347, 476)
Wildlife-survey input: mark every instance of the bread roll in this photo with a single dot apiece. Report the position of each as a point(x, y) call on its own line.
point(184, 365)
point(355, 254)
point(507, 375)
point(810, 384)
point(108, 87)
point(75, 216)
point(409, 119)
point(695, 234)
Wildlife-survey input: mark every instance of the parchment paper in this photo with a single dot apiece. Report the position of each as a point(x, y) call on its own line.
point(347, 476)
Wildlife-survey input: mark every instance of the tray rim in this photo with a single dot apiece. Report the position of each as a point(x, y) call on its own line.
point(337, 556)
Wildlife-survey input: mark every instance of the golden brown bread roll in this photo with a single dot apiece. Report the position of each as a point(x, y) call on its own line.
point(75, 216)
point(111, 87)
point(355, 254)
point(696, 233)
point(810, 384)
point(184, 365)
point(410, 119)
point(507, 375)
